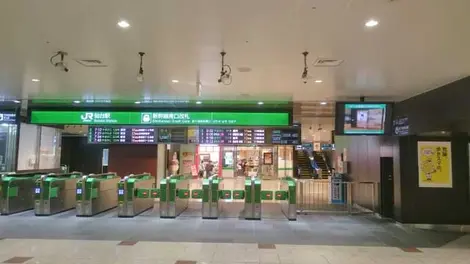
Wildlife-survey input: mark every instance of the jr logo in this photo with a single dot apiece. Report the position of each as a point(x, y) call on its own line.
point(87, 117)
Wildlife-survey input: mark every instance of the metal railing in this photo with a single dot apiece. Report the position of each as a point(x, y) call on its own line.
point(325, 196)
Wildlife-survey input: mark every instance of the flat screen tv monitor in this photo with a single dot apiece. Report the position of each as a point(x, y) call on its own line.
point(363, 118)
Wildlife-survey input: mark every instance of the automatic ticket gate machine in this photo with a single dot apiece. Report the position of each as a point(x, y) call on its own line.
point(212, 200)
point(16, 192)
point(174, 194)
point(252, 209)
point(55, 193)
point(287, 197)
point(96, 193)
point(129, 202)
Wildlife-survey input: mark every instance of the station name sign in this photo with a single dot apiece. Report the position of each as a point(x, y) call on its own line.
point(159, 118)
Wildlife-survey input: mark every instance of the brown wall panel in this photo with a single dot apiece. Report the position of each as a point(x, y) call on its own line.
point(127, 159)
point(363, 154)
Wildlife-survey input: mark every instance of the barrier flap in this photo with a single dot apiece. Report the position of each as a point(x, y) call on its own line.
point(225, 194)
point(143, 193)
point(238, 194)
point(154, 193)
point(280, 195)
point(183, 193)
point(196, 194)
point(266, 195)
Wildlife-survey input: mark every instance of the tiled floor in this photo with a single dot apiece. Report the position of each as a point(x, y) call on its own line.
point(319, 229)
point(44, 251)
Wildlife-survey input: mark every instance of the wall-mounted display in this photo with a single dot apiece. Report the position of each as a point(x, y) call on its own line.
point(232, 136)
point(7, 117)
point(435, 164)
point(363, 118)
point(285, 136)
point(159, 118)
point(172, 135)
point(122, 135)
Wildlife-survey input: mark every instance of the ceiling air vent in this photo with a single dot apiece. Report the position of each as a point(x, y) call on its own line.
point(91, 63)
point(322, 62)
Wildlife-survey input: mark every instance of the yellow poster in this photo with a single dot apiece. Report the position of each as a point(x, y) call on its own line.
point(435, 164)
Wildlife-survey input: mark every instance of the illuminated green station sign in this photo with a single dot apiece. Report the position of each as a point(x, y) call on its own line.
point(159, 118)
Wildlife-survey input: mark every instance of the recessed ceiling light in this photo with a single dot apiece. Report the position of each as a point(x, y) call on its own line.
point(175, 81)
point(318, 81)
point(123, 24)
point(35, 80)
point(198, 102)
point(16, 101)
point(260, 103)
point(76, 102)
point(323, 103)
point(372, 23)
point(137, 102)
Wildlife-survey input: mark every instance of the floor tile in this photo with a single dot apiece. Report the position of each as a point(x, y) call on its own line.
point(127, 243)
point(411, 250)
point(266, 246)
point(186, 262)
point(17, 260)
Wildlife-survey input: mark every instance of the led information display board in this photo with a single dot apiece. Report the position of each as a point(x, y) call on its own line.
point(172, 135)
point(122, 135)
point(285, 136)
point(231, 136)
point(159, 118)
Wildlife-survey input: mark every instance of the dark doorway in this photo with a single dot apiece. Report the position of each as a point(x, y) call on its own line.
point(386, 187)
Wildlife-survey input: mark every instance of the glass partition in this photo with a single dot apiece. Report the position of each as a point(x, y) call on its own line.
point(8, 136)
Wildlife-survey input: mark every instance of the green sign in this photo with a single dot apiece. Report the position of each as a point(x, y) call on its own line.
point(159, 118)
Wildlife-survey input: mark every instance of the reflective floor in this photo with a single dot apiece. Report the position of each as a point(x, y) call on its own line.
point(314, 229)
point(128, 252)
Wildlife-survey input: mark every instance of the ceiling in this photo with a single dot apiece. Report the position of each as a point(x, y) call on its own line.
point(418, 45)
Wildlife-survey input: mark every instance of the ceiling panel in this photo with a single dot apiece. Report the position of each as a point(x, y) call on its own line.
point(418, 45)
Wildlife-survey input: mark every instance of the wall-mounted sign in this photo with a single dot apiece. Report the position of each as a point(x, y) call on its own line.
point(122, 135)
point(401, 126)
point(7, 117)
point(172, 135)
point(285, 136)
point(160, 118)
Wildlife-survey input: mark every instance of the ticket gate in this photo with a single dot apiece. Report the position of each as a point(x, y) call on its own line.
point(55, 193)
point(211, 203)
point(287, 197)
point(96, 193)
point(16, 192)
point(252, 207)
point(174, 194)
point(128, 203)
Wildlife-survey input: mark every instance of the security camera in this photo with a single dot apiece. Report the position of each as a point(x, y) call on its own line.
point(62, 66)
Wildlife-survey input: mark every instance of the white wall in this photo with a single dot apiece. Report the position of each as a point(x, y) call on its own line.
point(317, 129)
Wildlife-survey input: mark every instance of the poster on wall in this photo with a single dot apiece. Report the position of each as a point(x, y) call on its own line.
point(434, 164)
point(188, 162)
point(268, 158)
